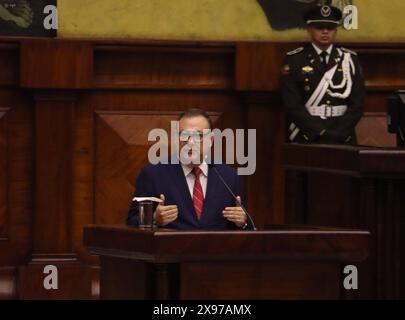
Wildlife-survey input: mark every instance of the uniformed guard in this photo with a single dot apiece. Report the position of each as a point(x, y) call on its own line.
point(323, 85)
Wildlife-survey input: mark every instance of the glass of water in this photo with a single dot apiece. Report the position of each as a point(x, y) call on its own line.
point(146, 215)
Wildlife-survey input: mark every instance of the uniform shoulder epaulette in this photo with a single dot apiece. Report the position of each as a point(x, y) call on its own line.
point(298, 50)
point(348, 51)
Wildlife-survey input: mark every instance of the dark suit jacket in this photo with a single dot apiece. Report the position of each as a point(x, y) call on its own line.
point(298, 86)
point(169, 179)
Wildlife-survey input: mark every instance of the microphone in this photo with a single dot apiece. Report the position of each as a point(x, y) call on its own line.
point(233, 195)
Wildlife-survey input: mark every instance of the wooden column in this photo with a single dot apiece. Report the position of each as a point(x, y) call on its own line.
point(48, 67)
point(54, 114)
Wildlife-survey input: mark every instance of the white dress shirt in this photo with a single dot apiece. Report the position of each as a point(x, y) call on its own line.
point(319, 51)
point(190, 178)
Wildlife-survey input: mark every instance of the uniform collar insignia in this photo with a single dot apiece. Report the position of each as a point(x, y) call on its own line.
point(308, 69)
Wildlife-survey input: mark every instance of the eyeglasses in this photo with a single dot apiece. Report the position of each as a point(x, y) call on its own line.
point(195, 135)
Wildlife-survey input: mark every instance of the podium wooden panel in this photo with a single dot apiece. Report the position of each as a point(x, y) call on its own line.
point(359, 187)
point(280, 263)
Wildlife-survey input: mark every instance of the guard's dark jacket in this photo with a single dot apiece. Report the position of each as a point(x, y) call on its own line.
point(301, 74)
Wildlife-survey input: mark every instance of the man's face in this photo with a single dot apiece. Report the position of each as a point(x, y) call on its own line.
point(195, 139)
point(322, 37)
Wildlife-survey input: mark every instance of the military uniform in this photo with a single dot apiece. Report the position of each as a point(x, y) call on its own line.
point(322, 96)
point(337, 111)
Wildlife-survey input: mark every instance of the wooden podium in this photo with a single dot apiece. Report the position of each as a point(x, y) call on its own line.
point(284, 262)
point(356, 187)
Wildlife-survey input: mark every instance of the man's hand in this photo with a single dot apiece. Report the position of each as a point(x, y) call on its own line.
point(165, 214)
point(236, 214)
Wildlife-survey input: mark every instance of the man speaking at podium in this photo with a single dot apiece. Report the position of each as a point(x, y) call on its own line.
point(195, 195)
point(323, 85)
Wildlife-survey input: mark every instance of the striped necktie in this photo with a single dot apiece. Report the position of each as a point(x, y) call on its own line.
point(198, 195)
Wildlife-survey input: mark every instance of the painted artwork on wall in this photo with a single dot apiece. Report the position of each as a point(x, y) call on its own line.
point(288, 14)
point(236, 20)
point(25, 18)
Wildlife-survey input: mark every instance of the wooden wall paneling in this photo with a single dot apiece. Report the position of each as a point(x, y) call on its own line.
point(266, 186)
point(52, 225)
point(134, 277)
point(368, 202)
point(365, 194)
point(83, 175)
point(164, 67)
point(3, 174)
point(306, 280)
point(121, 151)
point(9, 63)
point(325, 189)
point(95, 281)
point(382, 210)
point(372, 130)
point(391, 267)
point(383, 67)
point(16, 140)
point(8, 288)
point(65, 64)
point(20, 178)
point(74, 281)
point(376, 100)
point(258, 65)
point(83, 187)
point(54, 116)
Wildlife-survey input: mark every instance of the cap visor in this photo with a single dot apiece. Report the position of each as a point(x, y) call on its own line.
point(323, 25)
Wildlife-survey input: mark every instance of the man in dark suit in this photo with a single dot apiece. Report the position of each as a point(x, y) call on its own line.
point(193, 195)
point(323, 85)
